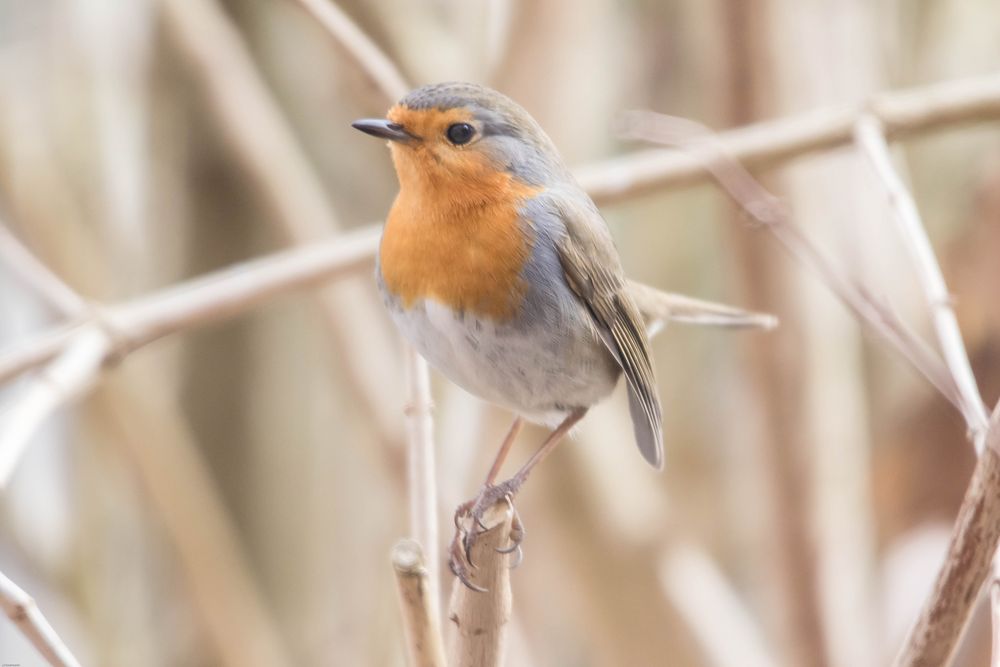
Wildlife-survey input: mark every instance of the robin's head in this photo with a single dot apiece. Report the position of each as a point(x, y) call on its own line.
point(462, 137)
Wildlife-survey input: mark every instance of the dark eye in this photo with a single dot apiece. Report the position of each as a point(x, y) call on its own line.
point(460, 133)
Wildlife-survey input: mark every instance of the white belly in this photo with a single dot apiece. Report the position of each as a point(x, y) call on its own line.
point(534, 368)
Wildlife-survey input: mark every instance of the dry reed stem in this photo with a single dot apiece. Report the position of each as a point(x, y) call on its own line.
point(768, 144)
point(421, 482)
point(209, 298)
point(25, 614)
point(478, 635)
point(418, 606)
point(17, 259)
point(933, 639)
point(69, 375)
point(870, 137)
point(382, 72)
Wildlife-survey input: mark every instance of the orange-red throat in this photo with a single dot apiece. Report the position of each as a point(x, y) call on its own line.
point(454, 234)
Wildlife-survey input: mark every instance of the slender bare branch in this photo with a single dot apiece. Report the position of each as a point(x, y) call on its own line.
point(118, 330)
point(768, 144)
point(382, 72)
point(480, 620)
point(20, 261)
point(66, 377)
point(208, 298)
point(22, 610)
point(870, 137)
point(418, 605)
point(422, 482)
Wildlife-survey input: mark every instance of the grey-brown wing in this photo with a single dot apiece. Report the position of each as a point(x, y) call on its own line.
point(593, 271)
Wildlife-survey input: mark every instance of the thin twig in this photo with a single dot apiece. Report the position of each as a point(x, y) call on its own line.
point(422, 484)
point(870, 137)
point(119, 330)
point(209, 298)
point(66, 377)
point(22, 610)
point(373, 61)
point(768, 144)
point(22, 263)
point(418, 605)
point(768, 211)
point(480, 620)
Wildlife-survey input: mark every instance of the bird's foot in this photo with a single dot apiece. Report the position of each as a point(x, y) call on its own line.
point(469, 526)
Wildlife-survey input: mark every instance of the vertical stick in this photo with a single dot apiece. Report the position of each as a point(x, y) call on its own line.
point(480, 619)
point(418, 605)
point(420, 467)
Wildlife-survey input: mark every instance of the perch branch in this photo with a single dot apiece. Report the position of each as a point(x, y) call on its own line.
point(22, 610)
point(420, 464)
point(768, 144)
point(480, 620)
point(382, 72)
point(418, 606)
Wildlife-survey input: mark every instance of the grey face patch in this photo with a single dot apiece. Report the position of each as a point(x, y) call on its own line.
point(510, 136)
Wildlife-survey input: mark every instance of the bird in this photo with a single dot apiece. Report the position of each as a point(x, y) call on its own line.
point(500, 270)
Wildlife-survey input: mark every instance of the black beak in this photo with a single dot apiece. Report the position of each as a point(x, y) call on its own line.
point(383, 129)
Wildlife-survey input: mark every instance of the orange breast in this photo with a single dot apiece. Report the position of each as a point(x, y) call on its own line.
point(465, 254)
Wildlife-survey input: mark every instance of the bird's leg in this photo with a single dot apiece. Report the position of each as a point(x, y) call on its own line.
point(491, 493)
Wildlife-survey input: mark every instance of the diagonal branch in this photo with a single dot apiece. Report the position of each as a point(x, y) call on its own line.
point(870, 136)
point(768, 211)
point(22, 610)
point(382, 72)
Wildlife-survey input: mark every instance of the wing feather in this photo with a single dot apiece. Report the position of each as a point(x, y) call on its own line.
point(593, 271)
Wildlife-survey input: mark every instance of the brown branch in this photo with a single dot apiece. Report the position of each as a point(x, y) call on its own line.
point(418, 605)
point(967, 566)
point(24, 613)
point(768, 144)
point(480, 620)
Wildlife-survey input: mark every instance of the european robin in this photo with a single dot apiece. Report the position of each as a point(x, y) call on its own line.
point(500, 270)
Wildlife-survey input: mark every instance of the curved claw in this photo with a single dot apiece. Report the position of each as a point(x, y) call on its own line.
point(462, 575)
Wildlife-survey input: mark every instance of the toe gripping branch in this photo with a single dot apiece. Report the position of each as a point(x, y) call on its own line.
point(487, 541)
